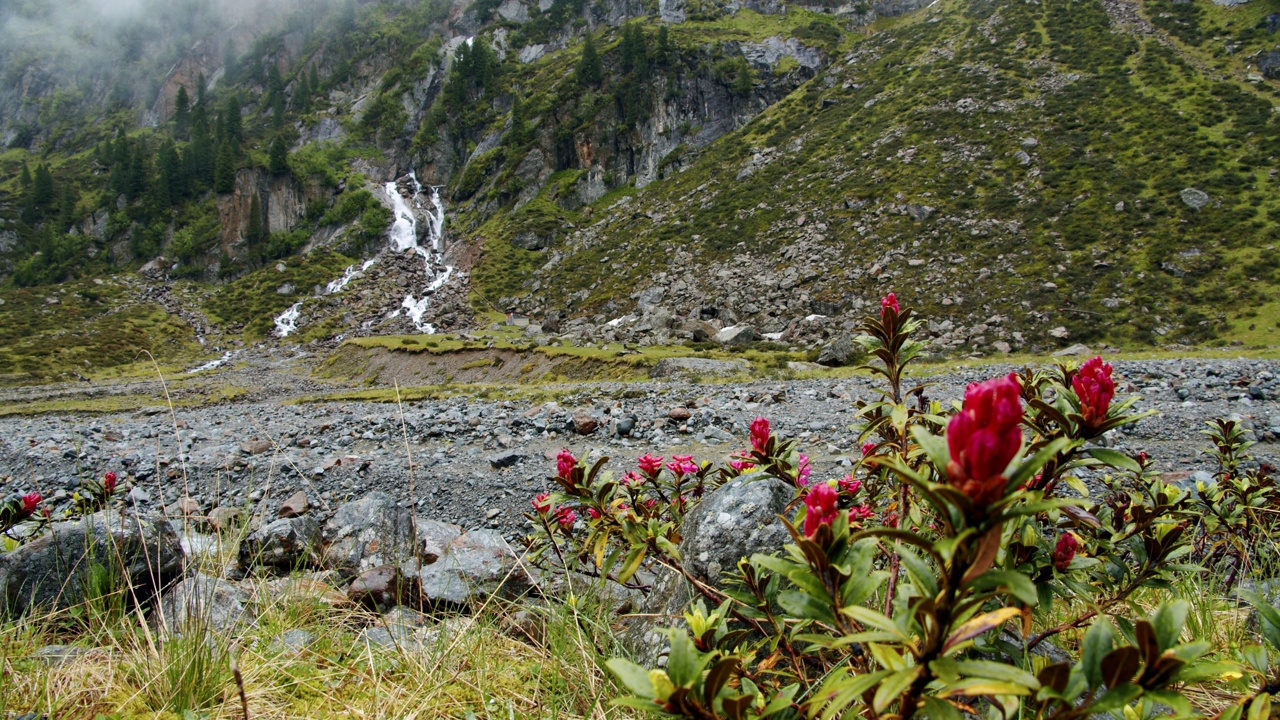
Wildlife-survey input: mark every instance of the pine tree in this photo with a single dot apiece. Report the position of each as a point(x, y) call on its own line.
point(181, 112)
point(519, 133)
point(663, 55)
point(232, 124)
point(224, 173)
point(169, 171)
point(315, 79)
point(589, 71)
point(200, 90)
point(254, 233)
point(139, 169)
point(742, 77)
point(229, 61)
point(43, 193)
point(25, 177)
point(302, 94)
point(279, 157)
point(67, 208)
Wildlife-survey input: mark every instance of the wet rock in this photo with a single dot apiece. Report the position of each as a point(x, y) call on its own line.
point(207, 602)
point(368, 533)
point(283, 545)
point(735, 521)
point(474, 566)
point(382, 588)
point(142, 554)
point(296, 505)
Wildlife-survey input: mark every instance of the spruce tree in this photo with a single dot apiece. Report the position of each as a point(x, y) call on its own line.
point(224, 173)
point(315, 80)
point(181, 112)
point(232, 124)
point(589, 71)
point(519, 133)
point(278, 163)
point(66, 208)
point(663, 54)
point(43, 193)
point(25, 177)
point(254, 233)
point(139, 173)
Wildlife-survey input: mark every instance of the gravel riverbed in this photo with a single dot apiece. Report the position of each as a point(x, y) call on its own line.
point(477, 462)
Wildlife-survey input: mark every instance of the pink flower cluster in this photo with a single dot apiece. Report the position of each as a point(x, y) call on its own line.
point(683, 465)
point(565, 463)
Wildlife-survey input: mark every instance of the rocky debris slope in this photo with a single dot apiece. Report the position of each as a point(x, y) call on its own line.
point(476, 463)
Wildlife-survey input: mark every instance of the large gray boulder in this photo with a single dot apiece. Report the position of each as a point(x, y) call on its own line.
point(285, 544)
point(839, 351)
point(473, 567)
point(207, 602)
point(135, 555)
point(368, 533)
point(735, 336)
point(671, 367)
point(737, 520)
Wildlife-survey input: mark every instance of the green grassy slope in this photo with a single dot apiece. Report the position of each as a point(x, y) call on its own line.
point(935, 110)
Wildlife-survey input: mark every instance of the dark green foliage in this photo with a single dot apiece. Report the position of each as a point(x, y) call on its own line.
point(56, 257)
point(181, 112)
point(589, 71)
point(518, 134)
point(224, 174)
point(278, 157)
point(232, 123)
point(254, 232)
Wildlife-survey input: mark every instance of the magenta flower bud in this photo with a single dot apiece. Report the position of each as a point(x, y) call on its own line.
point(565, 463)
point(759, 433)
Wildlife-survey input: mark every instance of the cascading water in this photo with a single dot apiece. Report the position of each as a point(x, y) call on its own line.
point(404, 236)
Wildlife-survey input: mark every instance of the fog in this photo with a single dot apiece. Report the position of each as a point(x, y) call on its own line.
point(124, 47)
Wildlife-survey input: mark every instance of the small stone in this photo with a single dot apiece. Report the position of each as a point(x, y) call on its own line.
point(507, 459)
point(296, 505)
point(255, 447)
point(1060, 332)
point(382, 588)
point(585, 424)
point(1195, 198)
point(222, 518)
point(679, 414)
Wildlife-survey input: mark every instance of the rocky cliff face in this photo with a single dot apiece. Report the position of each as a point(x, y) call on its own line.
point(282, 199)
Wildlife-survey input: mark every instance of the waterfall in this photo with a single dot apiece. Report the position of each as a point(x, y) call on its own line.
point(403, 236)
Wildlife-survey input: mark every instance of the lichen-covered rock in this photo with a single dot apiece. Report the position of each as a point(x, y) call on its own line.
point(285, 544)
point(368, 533)
point(474, 566)
point(205, 601)
point(735, 521)
point(383, 587)
point(138, 556)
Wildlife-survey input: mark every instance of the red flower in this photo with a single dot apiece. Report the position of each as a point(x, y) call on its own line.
point(566, 517)
point(887, 302)
point(632, 478)
point(542, 503)
point(682, 465)
point(1065, 551)
point(983, 438)
point(565, 463)
point(861, 512)
point(802, 470)
point(109, 482)
point(759, 433)
point(650, 465)
point(868, 447)
point(821, 507)
point(849, 484)
point(593, 513)
point(29, 502)
point(741, 463)
point(1095, 388)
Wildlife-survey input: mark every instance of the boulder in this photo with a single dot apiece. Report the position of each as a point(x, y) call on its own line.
point(383, 587)
point(735, 521)
point(839, 351)
point(205, 601)
point(474, 566)
point(141, 555)
point(735, 336)
point(368, 533)
point(507, 459)
point(1269, 62)
point(285, 544)
point(433, 537)
point(1073, 350)
point(1195, 198)
point(585, 423)
point(671, 367)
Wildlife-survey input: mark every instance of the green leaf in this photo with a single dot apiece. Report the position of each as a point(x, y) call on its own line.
point(1032, 466)
point(632, 564)
point(781, 701)
point(1115, 698)
point(934, 446)
point(918, 570)
point(803, 605)
point(1097, 643)
point(1168, 622)
point(1019, 585)
point(682, 661)
point(1115, 459)
point(979, 625)
point(893, 686)
point(998, 671)
point(631, 675)
point(936, 709)
point(871, 618)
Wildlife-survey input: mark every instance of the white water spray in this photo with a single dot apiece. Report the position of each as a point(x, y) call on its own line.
point(404, 236)
point(287, 321)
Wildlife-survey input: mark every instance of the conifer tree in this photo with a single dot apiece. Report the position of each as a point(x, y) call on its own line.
point(25, 177)
point(66, 208)
point(519, 133)
point(278, 163)
point(224, 173)
point(589, 71)
point(315, 79)
point(43, 192)
point(232, 124)
point(181, 112)
point(254, 232)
